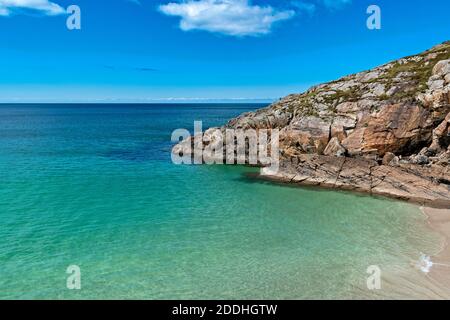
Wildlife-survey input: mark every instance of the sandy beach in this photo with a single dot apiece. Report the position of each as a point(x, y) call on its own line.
point(439, 220)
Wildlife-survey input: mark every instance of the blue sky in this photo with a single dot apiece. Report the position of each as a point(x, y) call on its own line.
point(154, 50)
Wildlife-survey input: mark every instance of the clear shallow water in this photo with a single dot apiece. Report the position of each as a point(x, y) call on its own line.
point(94, 186)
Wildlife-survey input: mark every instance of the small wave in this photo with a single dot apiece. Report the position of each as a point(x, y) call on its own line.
point(424, 263)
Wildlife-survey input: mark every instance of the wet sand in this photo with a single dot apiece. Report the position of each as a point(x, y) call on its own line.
point(439, 221)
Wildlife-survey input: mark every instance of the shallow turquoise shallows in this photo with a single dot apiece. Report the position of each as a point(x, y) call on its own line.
point(94, 186)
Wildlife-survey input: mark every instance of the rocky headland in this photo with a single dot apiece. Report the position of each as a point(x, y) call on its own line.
point(384, 131)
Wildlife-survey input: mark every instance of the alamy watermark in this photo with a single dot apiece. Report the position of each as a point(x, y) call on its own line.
point(374, 278)
point(73, 21)
point(374, 20)
point(74, 279)
point(227, 146)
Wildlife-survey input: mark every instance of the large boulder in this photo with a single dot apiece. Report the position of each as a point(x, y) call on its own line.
point(395, 128)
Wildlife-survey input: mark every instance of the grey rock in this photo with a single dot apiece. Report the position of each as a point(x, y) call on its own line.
point(420, 160)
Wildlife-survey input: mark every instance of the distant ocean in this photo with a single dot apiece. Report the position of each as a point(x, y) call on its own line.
point(94, 186)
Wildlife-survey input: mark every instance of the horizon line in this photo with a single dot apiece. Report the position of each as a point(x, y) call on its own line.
point(145, 101)
point(137, 103)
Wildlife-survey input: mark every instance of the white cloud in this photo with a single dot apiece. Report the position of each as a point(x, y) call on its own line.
point(307, 7)
point(230, 17)
point(44, 6)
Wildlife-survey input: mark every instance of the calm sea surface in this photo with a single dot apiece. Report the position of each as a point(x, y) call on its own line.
point(94, 186)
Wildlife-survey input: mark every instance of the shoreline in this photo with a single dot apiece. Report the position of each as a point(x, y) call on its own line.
point(410, 183)
point(288, 178)
point(439, 221)
point(436, 285)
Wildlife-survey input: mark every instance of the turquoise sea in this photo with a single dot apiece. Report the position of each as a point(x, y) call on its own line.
point(94, 186)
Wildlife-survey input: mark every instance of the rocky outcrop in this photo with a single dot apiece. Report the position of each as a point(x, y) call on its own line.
point(384, 131)
point(423, 185)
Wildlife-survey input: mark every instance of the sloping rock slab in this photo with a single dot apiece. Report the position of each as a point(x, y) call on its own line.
point(425, 186)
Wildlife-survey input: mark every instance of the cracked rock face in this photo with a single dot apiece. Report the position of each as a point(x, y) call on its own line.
point(393, 108)
point(380, 131)
point(406, 182)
